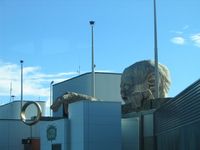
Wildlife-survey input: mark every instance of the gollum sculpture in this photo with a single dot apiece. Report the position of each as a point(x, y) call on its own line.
point(67, 98)
point(138, 83)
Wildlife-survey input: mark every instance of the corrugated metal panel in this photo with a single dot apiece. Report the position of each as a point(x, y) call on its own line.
point(182, 110)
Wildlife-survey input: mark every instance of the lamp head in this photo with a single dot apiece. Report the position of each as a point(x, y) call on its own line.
point(92, 23)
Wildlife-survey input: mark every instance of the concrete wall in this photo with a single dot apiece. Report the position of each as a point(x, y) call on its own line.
point(148, 132)
point(62, 136)
point(79, 84)
point(95, 125)
point(107, 87)
point(137, 131)
point(12, 110)
point(91, 125)
point(130, 133)
point(13, 131)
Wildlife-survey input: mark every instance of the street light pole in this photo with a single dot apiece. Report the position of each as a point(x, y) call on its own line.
point(21, 61)
point(10, 91)
point(50, 97)
point(93, 66)
point(156, 54)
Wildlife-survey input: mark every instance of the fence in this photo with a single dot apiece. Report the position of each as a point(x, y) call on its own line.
point(177, 122)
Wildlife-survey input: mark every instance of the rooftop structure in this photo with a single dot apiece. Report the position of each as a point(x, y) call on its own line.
point(107, 87)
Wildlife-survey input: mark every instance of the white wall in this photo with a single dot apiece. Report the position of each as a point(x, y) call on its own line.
point(62, 126)
point(12, 132)
point(12, 110)
point(107, 87)
point(95, 125)
point(91, 126)
point(80, 84)
point(12, 129)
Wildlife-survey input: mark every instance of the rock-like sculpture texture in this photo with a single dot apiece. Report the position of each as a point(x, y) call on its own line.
point(67, 98)
point(138, 83)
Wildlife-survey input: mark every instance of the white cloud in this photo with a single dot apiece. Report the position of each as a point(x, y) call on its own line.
point(177, 32)
point(178, 40)
point(196, 39)
point(36, 83)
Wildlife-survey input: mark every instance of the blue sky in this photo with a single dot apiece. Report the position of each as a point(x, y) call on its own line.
point(53, 38)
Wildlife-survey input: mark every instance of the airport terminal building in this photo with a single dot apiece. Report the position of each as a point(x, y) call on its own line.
point(100, 125)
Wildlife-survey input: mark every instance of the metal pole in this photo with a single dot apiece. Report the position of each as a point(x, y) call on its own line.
point(93, 66)
point(10, 91)
point(50, 97)
point(156, 54)
point(21, 61)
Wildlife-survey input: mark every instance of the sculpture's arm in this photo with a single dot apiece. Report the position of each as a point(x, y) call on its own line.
point(69, 97)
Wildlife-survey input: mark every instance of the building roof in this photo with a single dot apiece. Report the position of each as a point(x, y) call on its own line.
point(84, 74)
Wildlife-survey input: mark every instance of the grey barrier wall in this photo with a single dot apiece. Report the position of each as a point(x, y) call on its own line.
point(130, 133)
point(177, 122)
point(138, 130)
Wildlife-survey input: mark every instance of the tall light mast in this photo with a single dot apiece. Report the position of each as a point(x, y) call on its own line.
point(156, 54)
point(21, 61)
point(93, 65)
point(50, 97)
